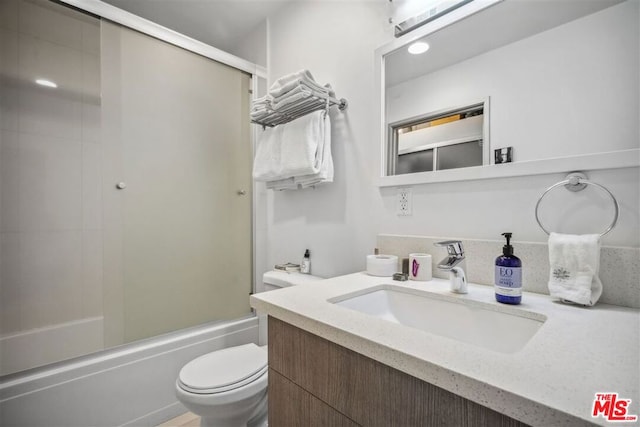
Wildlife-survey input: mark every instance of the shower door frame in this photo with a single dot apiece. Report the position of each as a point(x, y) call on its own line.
point(129, 20)
point(40, 396)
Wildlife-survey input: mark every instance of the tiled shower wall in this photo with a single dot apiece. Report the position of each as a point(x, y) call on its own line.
point(50, 167)
point(619, 267)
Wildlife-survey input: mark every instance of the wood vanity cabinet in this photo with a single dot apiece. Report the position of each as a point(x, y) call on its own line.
point(315, 382)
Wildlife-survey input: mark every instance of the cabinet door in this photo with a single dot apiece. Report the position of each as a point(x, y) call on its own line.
point(317, 382)
point(290, 405)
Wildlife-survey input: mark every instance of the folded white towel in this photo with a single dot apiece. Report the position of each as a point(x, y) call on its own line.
point(574, 264)
point(261, 107)
point(261, 114)
point(288, 82)
point(261, 103)
point(282, 184)
point(295, 95)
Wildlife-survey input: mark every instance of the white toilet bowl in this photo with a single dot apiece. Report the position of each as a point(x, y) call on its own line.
point(227, 388)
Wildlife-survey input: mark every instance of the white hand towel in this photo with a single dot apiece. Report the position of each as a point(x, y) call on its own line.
point(574, 264)
point(325, 174)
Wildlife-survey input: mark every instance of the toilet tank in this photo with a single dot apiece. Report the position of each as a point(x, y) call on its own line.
point(280, 279)
point(273, 280)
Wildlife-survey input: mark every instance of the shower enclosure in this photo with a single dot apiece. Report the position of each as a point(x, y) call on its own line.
point(125, 186)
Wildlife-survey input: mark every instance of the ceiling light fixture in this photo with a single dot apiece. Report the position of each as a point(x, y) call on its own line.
point(47, 83)
point(418, 47)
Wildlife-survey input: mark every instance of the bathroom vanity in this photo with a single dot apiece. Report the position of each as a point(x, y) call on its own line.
point(335, 362)
point(313, 381)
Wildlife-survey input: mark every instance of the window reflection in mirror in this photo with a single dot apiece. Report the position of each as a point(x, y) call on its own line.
point(449, 139)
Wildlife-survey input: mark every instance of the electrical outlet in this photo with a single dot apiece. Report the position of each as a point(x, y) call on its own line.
point(403, 207)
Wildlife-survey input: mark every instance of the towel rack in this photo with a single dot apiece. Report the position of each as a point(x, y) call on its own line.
point(577, 181)
point(315, 101)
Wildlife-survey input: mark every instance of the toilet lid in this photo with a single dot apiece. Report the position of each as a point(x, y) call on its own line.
point(224, 370)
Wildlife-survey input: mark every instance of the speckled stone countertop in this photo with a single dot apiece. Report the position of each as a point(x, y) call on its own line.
point(552, 381)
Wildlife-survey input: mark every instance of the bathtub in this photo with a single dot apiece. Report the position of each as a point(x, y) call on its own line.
point(53, 344)
point(131, 385)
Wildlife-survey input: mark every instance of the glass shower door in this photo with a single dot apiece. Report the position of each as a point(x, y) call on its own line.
point(181, 186)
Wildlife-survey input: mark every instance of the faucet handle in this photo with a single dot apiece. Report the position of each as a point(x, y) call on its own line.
point(454, 247)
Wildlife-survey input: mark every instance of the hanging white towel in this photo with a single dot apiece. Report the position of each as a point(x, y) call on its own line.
point(299, 149)
point(324, 175)
point(574, 265)
point(302, 145)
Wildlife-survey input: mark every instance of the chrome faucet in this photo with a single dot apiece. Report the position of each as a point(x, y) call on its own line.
point(454, 263)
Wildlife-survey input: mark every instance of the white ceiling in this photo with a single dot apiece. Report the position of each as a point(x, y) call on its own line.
point(219, 23)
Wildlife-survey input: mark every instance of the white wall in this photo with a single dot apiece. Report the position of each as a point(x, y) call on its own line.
point(339, 222)
point(253, 46)
point(335, 40)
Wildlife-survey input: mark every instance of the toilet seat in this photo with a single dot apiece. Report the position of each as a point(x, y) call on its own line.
point(224, 370)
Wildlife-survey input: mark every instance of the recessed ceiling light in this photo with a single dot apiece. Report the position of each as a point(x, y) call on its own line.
point(418, 47)
point(47, 83)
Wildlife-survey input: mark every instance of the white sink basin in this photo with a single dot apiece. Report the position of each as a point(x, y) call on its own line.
point(504, 330)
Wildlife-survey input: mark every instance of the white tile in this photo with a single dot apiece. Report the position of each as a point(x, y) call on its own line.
point(91, 36)
point(91, 99)
point(92, 300)
point(8, 107)
point(46, 114)
point(9, 54)
point(51, 277)
point(9, 14)
point(9, 181)
point(8, 79)
point(619, 268)
point(92, 120)
point(91, 75)
point(49, 21)
point(91, 186)
point(10, 301)
point(41, 59)
point(45, 110)
point(50, 183)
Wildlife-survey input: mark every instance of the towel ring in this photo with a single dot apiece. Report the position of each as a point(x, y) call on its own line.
point(577, 181)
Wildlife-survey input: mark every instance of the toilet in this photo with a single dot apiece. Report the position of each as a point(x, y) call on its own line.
point(228, 387)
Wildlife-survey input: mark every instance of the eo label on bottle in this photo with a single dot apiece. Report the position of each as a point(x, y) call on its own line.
point(508, 281)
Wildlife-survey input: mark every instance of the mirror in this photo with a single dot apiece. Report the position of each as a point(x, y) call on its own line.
point(562, 76)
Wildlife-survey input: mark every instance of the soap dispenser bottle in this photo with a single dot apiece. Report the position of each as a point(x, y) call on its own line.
point(508, 275)
point(305, 266)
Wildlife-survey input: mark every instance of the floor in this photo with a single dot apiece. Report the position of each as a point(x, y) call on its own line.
point(185, 420)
